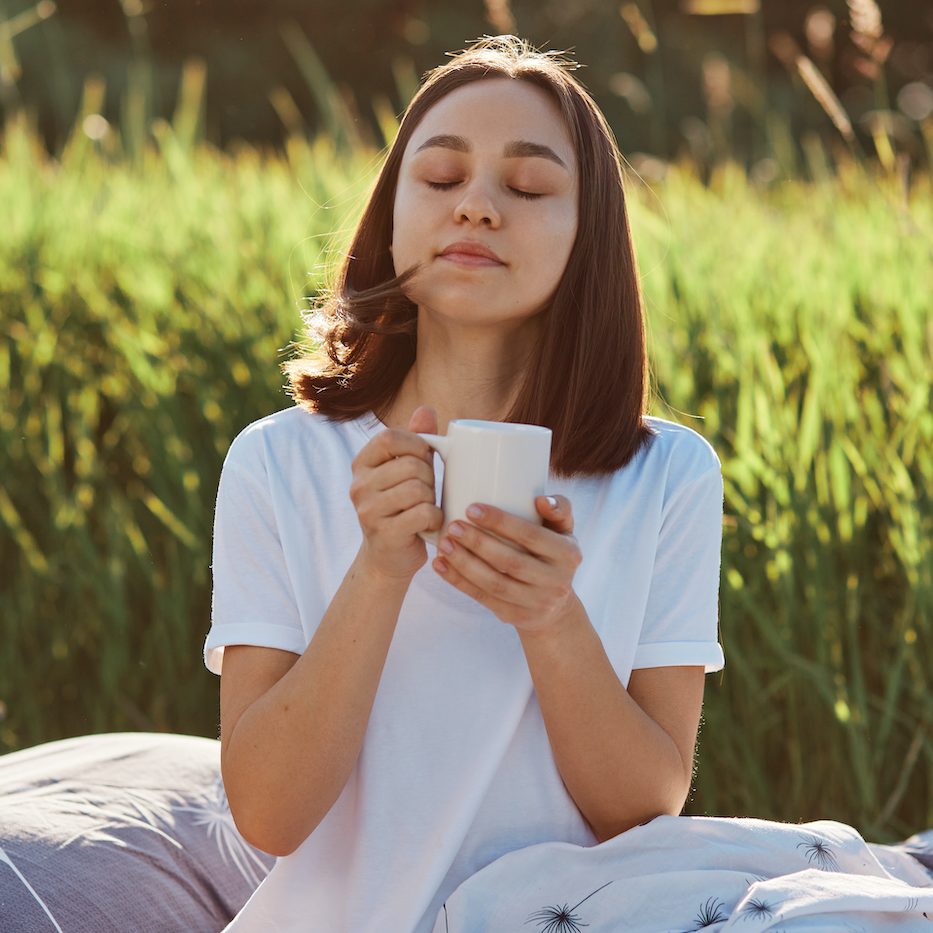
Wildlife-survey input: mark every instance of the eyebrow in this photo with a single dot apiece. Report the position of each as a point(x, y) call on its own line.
point(517, 149)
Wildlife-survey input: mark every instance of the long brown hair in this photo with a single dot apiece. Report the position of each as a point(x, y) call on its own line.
point(587, 379)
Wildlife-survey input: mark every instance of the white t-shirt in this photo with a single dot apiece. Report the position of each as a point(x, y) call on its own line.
point(455, 768)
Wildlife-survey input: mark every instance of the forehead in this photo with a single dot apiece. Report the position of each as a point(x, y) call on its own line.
point(493, 114)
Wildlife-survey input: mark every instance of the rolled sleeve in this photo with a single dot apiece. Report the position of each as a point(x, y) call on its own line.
point(253, 600)
point(682, 612)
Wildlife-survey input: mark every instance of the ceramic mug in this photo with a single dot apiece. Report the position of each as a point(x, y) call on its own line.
point(499, 463)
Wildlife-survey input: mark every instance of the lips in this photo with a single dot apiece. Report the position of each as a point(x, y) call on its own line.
point(471, 248)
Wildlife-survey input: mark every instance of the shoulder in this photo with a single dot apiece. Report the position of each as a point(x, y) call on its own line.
point(273, 437)
point(678, 454)
point(670, 439)
point(673, 459)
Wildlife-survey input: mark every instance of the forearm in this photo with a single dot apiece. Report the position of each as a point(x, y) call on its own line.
point(618, 764)
point(292, 751)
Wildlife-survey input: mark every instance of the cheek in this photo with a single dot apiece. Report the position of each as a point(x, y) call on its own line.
point(554, 245)
point(405, 231)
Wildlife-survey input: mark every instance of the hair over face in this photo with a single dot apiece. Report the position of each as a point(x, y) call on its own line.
point(587, 378)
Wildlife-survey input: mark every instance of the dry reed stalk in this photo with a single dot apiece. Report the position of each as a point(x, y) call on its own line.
point(867, 34)
point(499, 14)
point(819, 27)
point(286, 110)
point(638, 26)
point(20, 22)
point(719, 7)
point(865, 18)
point(10, 69)
point(825, 96)
point(784, 48)
point(632, 89)
point(717, 84)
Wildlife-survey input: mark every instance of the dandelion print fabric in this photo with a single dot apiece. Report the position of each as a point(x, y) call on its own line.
point(132, 832)
point(680, 874)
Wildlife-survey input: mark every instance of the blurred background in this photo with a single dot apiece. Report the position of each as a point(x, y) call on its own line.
point(709, 76)
point(177, 181)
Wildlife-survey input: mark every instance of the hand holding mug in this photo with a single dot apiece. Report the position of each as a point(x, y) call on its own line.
point(497, 462)
point(518, 556)
point(393, 493)
point(521, 571)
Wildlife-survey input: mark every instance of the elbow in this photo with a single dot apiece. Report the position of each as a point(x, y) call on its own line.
point(267, 818)
point(670, 791)
point(268, 829)
point(609, 831)
point(254, 834)
point(248, 829)
point(672, 805)
point(257, 830)
point(260, 838)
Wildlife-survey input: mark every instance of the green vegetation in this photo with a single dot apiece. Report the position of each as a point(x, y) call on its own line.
point(144, 310)
point(148, 294)
point(796, 324)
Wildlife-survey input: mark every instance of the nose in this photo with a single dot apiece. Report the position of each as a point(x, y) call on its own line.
point(477, 207)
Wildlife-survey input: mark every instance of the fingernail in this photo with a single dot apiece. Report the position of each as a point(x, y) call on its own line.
point(476, 511)
point(551, 501)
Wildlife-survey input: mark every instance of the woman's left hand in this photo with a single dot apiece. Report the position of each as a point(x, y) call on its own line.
point(527, 583)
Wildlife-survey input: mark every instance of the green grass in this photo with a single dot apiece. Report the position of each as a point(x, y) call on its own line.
point(146, 302)
point(796, 325)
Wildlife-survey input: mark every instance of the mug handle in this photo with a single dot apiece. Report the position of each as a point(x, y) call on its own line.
point(442, 445)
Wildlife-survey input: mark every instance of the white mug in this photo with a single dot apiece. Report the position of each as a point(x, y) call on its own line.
point(499, 463)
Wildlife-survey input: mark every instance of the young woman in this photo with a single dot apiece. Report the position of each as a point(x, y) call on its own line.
point(393, 721)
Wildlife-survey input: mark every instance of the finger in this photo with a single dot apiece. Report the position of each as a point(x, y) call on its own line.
point(556, 512)
point(425, 516)
point(532, 537)
point(485, 584)
point(504, 557)
point(423, 420)
point(396, 471)
point(393, 443)
point(503, 611)
point(400, 498)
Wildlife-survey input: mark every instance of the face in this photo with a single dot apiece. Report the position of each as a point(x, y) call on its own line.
point(484, 165)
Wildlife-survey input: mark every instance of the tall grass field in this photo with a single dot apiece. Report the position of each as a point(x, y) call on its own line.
point(145, 307)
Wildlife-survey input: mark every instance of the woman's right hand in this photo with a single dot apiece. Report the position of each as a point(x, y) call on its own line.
point(393, 493)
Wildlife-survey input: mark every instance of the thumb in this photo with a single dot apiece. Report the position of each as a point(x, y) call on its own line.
point(556, 512)
point(423, 420)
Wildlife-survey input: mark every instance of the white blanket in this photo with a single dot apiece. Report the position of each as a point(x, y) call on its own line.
point(688, 873)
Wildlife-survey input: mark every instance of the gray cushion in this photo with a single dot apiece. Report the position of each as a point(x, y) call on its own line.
point(120, 831)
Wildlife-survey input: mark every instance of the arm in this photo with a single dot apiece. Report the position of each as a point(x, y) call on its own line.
point(622, 761)
point(311, 722)
point(624, 755)
point(293, 722)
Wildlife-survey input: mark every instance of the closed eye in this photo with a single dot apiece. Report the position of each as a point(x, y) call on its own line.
point(444, 185)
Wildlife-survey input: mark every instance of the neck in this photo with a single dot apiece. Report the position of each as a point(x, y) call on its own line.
point(470, 374)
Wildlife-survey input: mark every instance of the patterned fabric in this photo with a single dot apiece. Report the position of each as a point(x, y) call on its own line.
point(688, 873)
point(129, 832)
point(120, 832)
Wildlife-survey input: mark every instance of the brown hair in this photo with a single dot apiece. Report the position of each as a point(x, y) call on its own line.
point(587, 380)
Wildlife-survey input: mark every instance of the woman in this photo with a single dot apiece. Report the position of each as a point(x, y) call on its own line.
point(391, 726)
